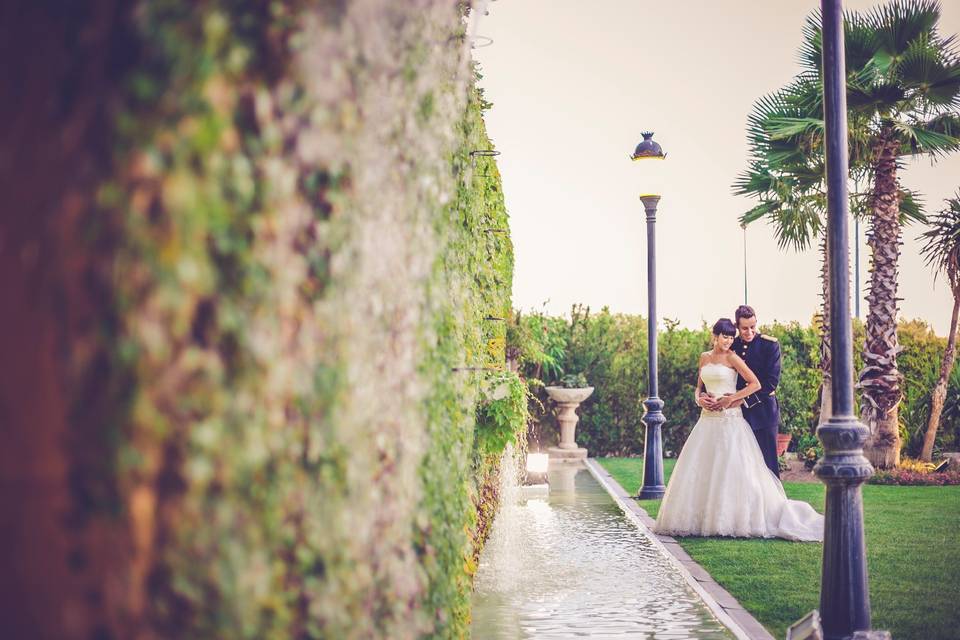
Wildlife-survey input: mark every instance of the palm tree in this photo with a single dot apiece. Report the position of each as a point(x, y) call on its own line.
point(903, 91)
point(786, 174)
point(942, 252)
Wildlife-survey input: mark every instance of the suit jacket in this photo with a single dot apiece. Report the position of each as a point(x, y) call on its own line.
point(762, 355)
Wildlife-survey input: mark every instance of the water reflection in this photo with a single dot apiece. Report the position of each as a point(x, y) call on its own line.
point(565, 562)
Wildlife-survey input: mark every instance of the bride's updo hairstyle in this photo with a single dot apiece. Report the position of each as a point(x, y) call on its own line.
point(725, 327)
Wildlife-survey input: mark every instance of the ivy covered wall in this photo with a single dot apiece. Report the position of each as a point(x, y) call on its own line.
point(257, 277)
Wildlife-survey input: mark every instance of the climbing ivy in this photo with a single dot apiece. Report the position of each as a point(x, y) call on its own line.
point(501, 414)
point(470, 289)
point(309, 275)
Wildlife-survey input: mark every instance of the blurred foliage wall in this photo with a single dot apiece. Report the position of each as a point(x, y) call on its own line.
point(611, 350)
point(255, 284)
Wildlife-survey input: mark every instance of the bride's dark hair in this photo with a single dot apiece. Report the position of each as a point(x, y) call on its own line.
point(724, 326)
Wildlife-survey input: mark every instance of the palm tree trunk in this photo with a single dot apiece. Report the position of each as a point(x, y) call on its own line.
point(880, 378)
point(826, 387)
point(940, 390)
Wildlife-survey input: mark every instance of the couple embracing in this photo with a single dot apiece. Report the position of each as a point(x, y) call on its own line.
point(726, 480)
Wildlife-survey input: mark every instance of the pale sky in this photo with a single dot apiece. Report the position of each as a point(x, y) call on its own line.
point(574, 83)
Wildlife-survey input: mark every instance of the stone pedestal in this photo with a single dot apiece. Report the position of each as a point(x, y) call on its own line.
point(567, 402)
point(563, 481)
point(564, 456)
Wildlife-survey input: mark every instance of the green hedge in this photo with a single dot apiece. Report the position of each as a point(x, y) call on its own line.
point(611, 349)
point(919, 363)
point(276, 318)
point(469, 423)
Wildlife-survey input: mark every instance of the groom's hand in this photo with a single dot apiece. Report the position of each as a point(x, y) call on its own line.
point(707, 401)
point(724, 402)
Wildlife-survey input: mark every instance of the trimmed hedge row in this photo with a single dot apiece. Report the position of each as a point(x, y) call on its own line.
point(611, 349)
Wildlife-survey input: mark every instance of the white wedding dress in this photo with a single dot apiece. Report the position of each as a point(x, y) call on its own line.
point(721, 486)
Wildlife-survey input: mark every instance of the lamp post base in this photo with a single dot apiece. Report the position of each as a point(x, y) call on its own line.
point(844, 592)
point(652, 493)
point(653, 487)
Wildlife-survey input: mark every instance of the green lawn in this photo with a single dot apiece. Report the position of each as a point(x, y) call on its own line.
point(913, 558)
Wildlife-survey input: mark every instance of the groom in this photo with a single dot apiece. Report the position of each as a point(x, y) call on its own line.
point(761, 410)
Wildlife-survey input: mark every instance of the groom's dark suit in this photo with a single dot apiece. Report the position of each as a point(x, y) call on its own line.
point(761, 410)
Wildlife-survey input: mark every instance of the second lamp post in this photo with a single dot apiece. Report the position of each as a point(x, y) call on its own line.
point(652, 487)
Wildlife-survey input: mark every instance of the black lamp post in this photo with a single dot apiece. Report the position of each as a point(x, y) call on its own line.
point(844, 592)
point(652, 487)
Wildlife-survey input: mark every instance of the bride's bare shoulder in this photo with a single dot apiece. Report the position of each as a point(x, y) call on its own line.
point(732, 359)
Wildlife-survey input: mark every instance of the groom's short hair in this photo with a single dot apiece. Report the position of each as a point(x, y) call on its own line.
point(744, 311)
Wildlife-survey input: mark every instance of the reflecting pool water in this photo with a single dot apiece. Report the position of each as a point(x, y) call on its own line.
point(565, 562)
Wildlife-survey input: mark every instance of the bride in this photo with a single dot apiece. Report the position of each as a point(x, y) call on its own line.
point(720, 485)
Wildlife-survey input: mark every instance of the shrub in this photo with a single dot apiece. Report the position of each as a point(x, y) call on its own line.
point(917, 466)
point(919, 363)
point(799, 378)
point(573, 381)
point(906, 477)
point(782, 463)
point(611, 350)
point(809, 449)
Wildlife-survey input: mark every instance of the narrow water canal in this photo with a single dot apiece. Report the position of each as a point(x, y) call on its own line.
point(565, 562)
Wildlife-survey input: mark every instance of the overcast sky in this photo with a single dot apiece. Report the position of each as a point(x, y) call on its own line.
point(574, 83)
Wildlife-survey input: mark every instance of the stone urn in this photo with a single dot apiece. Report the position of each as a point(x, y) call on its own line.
point(567, 402)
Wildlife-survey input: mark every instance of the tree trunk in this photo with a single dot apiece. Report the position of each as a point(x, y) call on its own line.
point(826, 387)
point(940, 389)
point(880, 378)
point(826, 398)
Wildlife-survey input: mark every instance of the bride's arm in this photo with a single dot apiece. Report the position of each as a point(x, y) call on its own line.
point(753, 384)
point(701, 397)
point(699, 387)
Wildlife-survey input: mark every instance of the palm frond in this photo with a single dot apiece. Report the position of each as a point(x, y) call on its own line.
point(917, 138)
point(781, 127)
point(911, 207)
point(763, 108)
point(883, 98)
point(764, 208)
point(897, 24)
point(927, 69)
point(941, 248)
point(797, 226)
point(805, 95)
point(756, 181)
point(786, 155)
point(859, 43)
point(861, 204)
point(947, 123)
point(810, 55)
point(785, 132)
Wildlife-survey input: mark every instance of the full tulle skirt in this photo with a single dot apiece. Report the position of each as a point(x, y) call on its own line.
point(720, 486)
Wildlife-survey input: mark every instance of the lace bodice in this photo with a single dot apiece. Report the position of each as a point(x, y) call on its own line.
point(719, 379)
